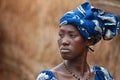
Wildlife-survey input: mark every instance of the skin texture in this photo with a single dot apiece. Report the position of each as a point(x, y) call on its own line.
point(71, 40)
point(73, 49)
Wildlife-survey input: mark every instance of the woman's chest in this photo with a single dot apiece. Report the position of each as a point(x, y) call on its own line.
point(71, 77)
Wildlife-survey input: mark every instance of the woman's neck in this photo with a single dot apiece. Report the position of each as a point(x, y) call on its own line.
point(78, 65)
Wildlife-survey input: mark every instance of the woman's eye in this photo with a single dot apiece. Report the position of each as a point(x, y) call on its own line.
point(72, 36)
point(61, 35)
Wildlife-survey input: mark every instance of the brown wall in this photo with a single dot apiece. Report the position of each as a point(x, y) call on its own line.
point(28, 39)
point(110, 6)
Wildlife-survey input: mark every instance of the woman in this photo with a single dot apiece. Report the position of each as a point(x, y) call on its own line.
point(79, 29)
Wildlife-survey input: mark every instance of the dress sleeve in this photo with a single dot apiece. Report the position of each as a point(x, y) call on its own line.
point(107, 74)
point(46, 75)
point(102, 73)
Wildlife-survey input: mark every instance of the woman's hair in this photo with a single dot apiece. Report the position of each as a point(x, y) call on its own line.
point(93, 23)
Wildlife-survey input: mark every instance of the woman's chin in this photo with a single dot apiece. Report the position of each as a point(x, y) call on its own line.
point(66, 56)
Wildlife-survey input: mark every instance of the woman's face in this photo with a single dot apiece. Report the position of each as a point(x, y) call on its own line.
point(71, 43)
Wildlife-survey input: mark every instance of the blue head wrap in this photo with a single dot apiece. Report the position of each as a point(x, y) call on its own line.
point(93, 23)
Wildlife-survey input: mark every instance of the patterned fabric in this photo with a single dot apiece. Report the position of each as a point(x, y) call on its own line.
point(46, 75)
point(100, 74)
point(93, 23)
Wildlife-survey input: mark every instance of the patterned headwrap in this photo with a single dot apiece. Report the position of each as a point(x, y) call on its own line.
point(93, 23)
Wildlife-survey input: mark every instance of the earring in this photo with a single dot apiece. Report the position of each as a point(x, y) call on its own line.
point(90, 49)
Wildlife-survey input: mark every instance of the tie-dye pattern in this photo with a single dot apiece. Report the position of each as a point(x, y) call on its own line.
point(100, 73)
point(92, 22)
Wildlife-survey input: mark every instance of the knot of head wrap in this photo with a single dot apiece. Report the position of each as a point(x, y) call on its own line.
point(93, 23)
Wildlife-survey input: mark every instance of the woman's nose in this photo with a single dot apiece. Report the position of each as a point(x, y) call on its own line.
point(65, 41)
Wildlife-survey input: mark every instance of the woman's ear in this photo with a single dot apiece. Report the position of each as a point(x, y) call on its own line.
point(89, 43)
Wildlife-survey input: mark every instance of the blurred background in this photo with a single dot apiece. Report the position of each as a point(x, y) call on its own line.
point(28, 37)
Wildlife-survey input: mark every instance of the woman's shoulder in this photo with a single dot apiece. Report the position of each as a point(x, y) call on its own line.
point(50, 74)
point(46, 75)
point(102, 73)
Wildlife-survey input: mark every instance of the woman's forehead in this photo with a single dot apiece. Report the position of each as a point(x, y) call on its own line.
point(68, 27)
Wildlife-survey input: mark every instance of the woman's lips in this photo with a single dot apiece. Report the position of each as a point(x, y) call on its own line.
point(65, 51)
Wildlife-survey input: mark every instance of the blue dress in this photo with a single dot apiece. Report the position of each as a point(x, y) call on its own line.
point(100, 74)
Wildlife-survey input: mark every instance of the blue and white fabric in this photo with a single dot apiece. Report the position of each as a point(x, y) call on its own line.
point(93, 23)
point(46, 75)
point(100, 73)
